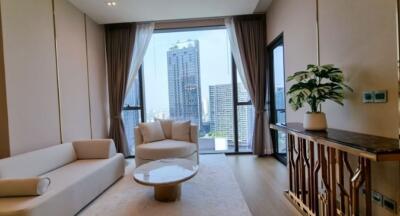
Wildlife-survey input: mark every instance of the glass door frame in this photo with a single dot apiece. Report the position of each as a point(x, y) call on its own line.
point(236, 104)
point(278, 41)
point(140, 107)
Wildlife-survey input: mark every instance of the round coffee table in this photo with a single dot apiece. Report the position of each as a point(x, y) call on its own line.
point(166, 176)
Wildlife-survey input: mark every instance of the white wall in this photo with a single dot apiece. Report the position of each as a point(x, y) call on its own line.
point(358, 36)
point(31, 61)
point(363, 42)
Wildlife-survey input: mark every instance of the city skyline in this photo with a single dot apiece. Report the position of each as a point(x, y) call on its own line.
point(215, 63)
point(179, 70)
point(221, 113)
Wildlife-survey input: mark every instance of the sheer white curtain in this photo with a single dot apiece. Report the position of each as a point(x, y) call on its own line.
point(144, 31)
point(230, 27)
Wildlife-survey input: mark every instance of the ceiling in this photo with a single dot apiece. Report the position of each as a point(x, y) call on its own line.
point(153, 10)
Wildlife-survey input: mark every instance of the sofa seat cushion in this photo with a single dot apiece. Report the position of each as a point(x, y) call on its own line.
point(165, 149)
point(72, 187)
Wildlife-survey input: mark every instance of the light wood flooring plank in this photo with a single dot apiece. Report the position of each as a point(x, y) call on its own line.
point(262, 181)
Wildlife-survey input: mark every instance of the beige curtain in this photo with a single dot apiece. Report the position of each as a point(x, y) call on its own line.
point(250, 33)
point(119, 48)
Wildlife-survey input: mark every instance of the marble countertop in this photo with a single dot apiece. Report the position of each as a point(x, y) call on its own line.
point(372, 144)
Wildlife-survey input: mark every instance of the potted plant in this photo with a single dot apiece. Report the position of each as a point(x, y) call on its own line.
point(313, 86)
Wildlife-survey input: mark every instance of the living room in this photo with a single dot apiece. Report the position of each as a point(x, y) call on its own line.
point(188, 107)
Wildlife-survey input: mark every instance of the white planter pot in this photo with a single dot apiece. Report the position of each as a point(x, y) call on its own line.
point(315, 121)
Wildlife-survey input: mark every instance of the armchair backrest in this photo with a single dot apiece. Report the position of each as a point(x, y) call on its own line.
point(193, 135)
point(138, 136)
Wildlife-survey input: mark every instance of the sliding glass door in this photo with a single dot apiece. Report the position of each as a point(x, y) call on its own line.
point(278, 100)
point(244, 114)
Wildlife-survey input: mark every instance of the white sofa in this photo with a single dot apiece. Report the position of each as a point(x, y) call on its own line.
point(168, 148)
point(79, 172)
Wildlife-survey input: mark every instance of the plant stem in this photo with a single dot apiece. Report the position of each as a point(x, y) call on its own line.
point(313, 105)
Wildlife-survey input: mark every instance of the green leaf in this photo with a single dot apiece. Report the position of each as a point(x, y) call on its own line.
point(316, 85)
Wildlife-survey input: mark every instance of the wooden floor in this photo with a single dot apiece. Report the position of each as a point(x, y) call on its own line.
point(262, 181)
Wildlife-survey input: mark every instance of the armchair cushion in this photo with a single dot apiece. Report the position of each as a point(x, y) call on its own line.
point(165, 149)
point(181, 131)
point(151, 131)
point(166, 125)
point(94, 149)
point(23, 186)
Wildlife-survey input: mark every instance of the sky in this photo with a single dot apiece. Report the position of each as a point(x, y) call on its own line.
point(215, 63)
point(278, 67)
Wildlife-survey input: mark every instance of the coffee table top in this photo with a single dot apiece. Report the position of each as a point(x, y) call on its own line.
point(165, 172)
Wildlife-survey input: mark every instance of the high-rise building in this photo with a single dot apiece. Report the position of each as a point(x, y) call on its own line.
point(221, 113)
point(184, 81)
point(280, 104)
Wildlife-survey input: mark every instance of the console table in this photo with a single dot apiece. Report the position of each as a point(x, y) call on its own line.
point(318, 160)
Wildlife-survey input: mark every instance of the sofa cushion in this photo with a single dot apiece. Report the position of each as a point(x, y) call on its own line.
point(166, 125)
point(151, 131)
point(72, 187)
point(37, 162)
point(165, 149)
point(23, 186)
point(181, 130)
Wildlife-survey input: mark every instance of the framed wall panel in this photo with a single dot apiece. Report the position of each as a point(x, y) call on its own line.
point(72, 69)
point(30, 72)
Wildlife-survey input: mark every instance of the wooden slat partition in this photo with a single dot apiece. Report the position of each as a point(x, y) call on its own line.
point(318, 164)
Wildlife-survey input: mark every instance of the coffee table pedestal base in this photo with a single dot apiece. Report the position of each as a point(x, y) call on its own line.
point(169, 193)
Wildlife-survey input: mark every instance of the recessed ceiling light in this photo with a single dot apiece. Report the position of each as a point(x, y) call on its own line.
point(113, 3)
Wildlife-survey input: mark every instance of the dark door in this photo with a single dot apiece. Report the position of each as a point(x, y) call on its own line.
point(278, 99)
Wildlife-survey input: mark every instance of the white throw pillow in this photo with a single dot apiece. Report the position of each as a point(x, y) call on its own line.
point(24, 186)
point(181, 130)
point(166, 125)
point(151, 132)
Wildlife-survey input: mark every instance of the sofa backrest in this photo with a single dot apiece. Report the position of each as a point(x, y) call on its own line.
point(37, 162)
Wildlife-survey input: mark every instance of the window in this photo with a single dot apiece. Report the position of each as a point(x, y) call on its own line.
point(278, 103)
point(187, 74)
point(244, 110)
point(133, 111)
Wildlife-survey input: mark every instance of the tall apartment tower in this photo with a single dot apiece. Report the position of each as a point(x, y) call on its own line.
point(221, 113)
point(184, 81)
point(221, 110)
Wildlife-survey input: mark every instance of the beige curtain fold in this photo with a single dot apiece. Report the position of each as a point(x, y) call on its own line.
point(119, 48)
point(251, 34)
